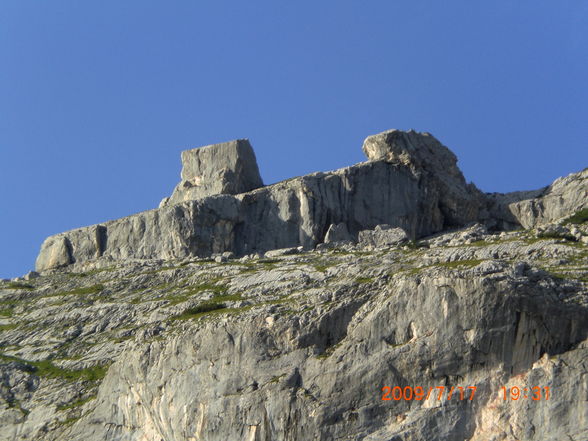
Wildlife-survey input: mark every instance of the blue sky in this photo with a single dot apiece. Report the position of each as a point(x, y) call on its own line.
point(97, 99)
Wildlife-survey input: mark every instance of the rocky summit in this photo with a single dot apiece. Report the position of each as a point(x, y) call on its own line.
point(386, 301)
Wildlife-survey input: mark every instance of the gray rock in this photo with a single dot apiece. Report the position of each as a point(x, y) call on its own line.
point(293, 213)
point(229, 254)
point(302, 344)
point(434, 165)
point(31, 275)
point(282, 252)
point(164, 202)
point(563, 198)
point(555, 231)
point(55, 252)
point(474, 233)
point(227, 168)
point(382, 236)
point(338, 233)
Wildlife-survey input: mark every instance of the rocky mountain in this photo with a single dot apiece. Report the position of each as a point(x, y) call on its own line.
point(389, 300)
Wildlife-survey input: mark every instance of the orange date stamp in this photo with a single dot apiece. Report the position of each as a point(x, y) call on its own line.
point(419, 393)
point(534, 393)
point(461, 393)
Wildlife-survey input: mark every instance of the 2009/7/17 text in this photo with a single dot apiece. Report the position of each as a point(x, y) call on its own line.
point(419, 393)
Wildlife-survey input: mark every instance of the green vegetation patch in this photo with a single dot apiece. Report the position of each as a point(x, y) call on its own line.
point(8, 327)
point(197, 312)
point(13, 403)
point(7, 307)
point(158, 270)
point(329, 351)
point(76, 403)
point(479, 243)
point(69, 421)
point(216, 304)
point(578, 217)
point(323, 266)
point(94, 289)
point(18, 285)
point(553, 235)
point(208, 286)
point(459, 263)
point(48, 370)
point(581, 275)
point(95, 271)
point(362, 280)
point(276, 379)
point(416, 244)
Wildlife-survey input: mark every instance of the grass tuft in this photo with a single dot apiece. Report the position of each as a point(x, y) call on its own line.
point(94, 289)
point(459, 263)
point(362, 280)
point(554, 235)
point(48, 370)
point(578, 217)
point(18, 285)
point(76, 403)
point(216, 304)
point(416, 244)
point(8, 327)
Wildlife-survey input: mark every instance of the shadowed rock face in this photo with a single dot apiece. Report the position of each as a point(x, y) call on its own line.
point(411, 182)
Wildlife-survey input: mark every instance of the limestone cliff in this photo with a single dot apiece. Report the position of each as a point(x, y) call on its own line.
point(284, 312)
point(411, 181)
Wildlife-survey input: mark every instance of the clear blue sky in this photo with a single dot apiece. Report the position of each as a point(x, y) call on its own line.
point(97, 99)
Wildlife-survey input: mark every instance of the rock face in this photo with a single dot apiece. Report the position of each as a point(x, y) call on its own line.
point(299, 311)
point(227, 168)
point(432, 163)
point(562, 198)
point(299, 347)
point(530, 209)
point(416, 186)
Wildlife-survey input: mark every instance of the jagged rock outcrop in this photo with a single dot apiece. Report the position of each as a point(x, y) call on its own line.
point(564, 197)
point(227, 168)
point(431, 162)
point(530, 209)
point(416, 186)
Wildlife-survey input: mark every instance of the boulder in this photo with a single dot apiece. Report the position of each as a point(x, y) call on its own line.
point(555, 231)
point(31, 275)
point(226, 168)
point(338, 233)
point(382, 236)
point(55, 253)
